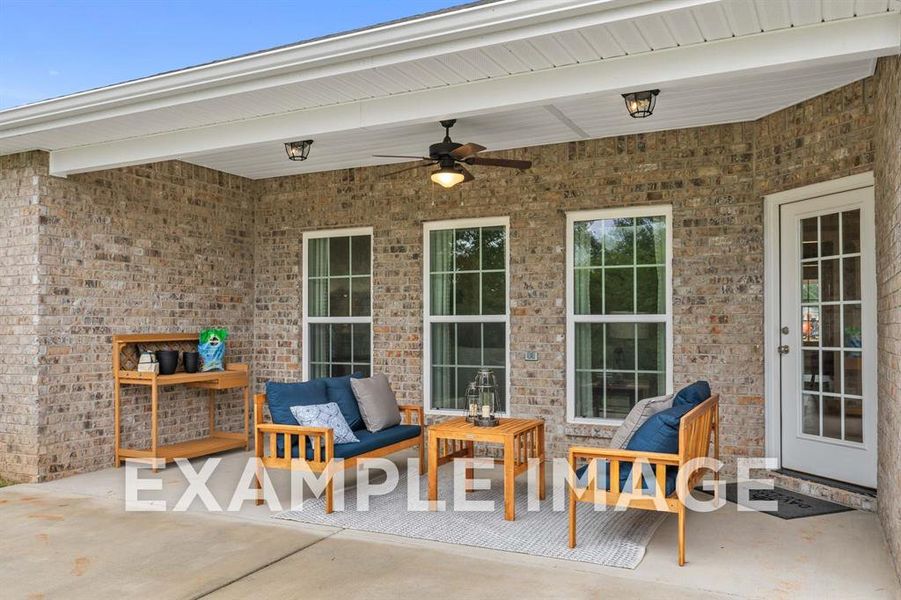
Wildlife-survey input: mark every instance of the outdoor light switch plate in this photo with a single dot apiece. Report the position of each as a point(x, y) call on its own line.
point(531, 356)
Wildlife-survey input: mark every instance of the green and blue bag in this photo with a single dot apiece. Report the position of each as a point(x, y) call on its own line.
point(212, 349)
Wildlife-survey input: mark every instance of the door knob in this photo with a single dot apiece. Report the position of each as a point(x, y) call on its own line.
point(783, 349)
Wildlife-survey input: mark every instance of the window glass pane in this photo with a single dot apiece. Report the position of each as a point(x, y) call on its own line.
point(465, 376)
point(441, 250)
point(318, 300)
point(650, 241)
point(443, 343)
point(360, 296)
point(361, 254)
point(495, 348)
point(341, 342)
point(651, 292)
point(443, 387)
point(466, 293)
point(650, 385)
point(362, 346)
point(319, 345)
point(341, 370)
point(829, 235)
point(318, 370)
point(442, 294)
point(619, 291)
point(493, 244)
point(339, 256)
point(494, 294)
point(589, 291)
point(469, 344)
point(363, 370)
point(339, 297)
point(581, 244)
point(466, 249)
point(651, 346)
point(317, 266)
point(589, 346)
point(619, 242)
point(500, 376)
point(620, 346)
point(620, 394)
point(851, 231)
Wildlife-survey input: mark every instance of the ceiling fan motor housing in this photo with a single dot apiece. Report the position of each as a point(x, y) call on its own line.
point(440, 149)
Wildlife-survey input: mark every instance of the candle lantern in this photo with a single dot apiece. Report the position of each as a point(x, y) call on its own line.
point(472, 402)
point(486, 387)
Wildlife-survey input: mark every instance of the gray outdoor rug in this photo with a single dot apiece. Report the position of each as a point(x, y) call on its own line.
point(611, 538)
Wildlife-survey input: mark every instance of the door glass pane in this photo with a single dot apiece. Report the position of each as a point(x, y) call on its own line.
point(810, 326)
point(832, 417)
point(853, 420)
point(810, 417)
point(853, 335)
point(854, 373)
point(832, 372)
point(851, 277)
point(810, 377)
point(850, 231)
point(829, 280)
point(829, 235)
point(831, 326)
point(810, 283)
point(809, 237)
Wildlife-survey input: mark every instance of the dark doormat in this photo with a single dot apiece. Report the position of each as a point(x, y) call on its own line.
point(792, 505)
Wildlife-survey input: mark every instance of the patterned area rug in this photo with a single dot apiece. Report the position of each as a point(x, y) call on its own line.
point(610, 538)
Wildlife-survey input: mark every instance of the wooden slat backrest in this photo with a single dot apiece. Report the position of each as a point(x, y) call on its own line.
point(696, 431)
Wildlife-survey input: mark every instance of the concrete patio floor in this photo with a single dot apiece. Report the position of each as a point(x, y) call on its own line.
point(73, 538)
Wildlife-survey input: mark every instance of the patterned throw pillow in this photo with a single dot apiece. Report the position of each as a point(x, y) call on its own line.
point(325, 415)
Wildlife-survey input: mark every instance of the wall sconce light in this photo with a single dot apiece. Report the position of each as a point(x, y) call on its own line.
point(641, 104)
point(298, 150)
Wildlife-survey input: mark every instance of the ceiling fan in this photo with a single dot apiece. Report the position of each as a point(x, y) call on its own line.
point(451, 158)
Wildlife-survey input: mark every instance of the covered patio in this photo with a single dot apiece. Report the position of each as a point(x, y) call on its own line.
point(743, 230)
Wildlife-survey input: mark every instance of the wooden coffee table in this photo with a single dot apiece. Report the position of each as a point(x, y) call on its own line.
point(521, 439)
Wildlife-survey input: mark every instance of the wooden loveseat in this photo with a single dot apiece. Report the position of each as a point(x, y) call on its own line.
point(277, 445)
point(698, 436)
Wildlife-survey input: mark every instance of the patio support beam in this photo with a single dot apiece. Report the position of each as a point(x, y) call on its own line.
point(825, 43)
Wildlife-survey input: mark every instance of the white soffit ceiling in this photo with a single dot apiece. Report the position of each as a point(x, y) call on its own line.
point(524, 73)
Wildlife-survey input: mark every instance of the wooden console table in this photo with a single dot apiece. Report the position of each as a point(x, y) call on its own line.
point(235, 375)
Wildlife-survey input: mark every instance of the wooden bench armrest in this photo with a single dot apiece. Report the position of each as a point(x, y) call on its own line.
point(292, 429)
point(615, 454)
point(409, 410)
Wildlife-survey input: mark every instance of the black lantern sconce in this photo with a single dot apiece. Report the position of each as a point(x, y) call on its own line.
point(641, 104)
point(298, 150)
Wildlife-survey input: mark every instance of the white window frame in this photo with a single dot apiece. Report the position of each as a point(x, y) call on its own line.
point(428, 319)
point(307, 320)
point(572, 318)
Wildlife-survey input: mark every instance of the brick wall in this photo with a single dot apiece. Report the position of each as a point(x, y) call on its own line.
point(888, 273)
point(19, 191)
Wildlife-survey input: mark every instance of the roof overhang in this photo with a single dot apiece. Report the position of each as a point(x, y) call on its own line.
point(560, 58)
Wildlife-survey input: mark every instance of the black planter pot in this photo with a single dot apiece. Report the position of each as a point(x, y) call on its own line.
point(168, 360)
point(191, 361)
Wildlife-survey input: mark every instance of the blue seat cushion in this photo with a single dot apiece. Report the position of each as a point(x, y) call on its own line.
point(692, 394)
point(280, 397)
point(660, 433)
point(339, 391)
point(368, 442)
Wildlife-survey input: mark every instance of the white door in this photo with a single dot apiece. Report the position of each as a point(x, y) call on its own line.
point(828, 336)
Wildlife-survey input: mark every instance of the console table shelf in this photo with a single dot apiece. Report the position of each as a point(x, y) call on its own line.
point(235, 375)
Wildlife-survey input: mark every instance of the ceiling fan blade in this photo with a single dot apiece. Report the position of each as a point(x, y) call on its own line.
point(401, 156)
point(499, 162)
point(420, 165)
point(467, 176)
point(466, 150)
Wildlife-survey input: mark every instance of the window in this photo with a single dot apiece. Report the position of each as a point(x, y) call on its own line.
point(337, 290)
point(619, 315)
point(465, 309)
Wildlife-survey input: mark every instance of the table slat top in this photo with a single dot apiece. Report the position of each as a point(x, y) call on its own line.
point(507, 426)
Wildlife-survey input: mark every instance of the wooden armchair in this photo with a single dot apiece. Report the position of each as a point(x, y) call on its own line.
point(322, 441)
point(698, 430)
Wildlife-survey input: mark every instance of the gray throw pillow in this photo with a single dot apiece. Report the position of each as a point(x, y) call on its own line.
point(640, 413)
point(377, 402)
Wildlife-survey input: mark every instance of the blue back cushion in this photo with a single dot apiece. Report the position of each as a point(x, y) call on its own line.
point(282, 396)
point(339, 391)
point(660, 433)
point(693, 394)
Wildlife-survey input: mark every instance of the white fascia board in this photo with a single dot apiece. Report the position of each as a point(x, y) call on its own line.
point(434, 35)
point(826, 43)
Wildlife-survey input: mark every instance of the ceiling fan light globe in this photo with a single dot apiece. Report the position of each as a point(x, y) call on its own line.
point(447, 177)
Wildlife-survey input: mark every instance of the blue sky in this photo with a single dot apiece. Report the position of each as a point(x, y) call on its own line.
point(52, 48)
